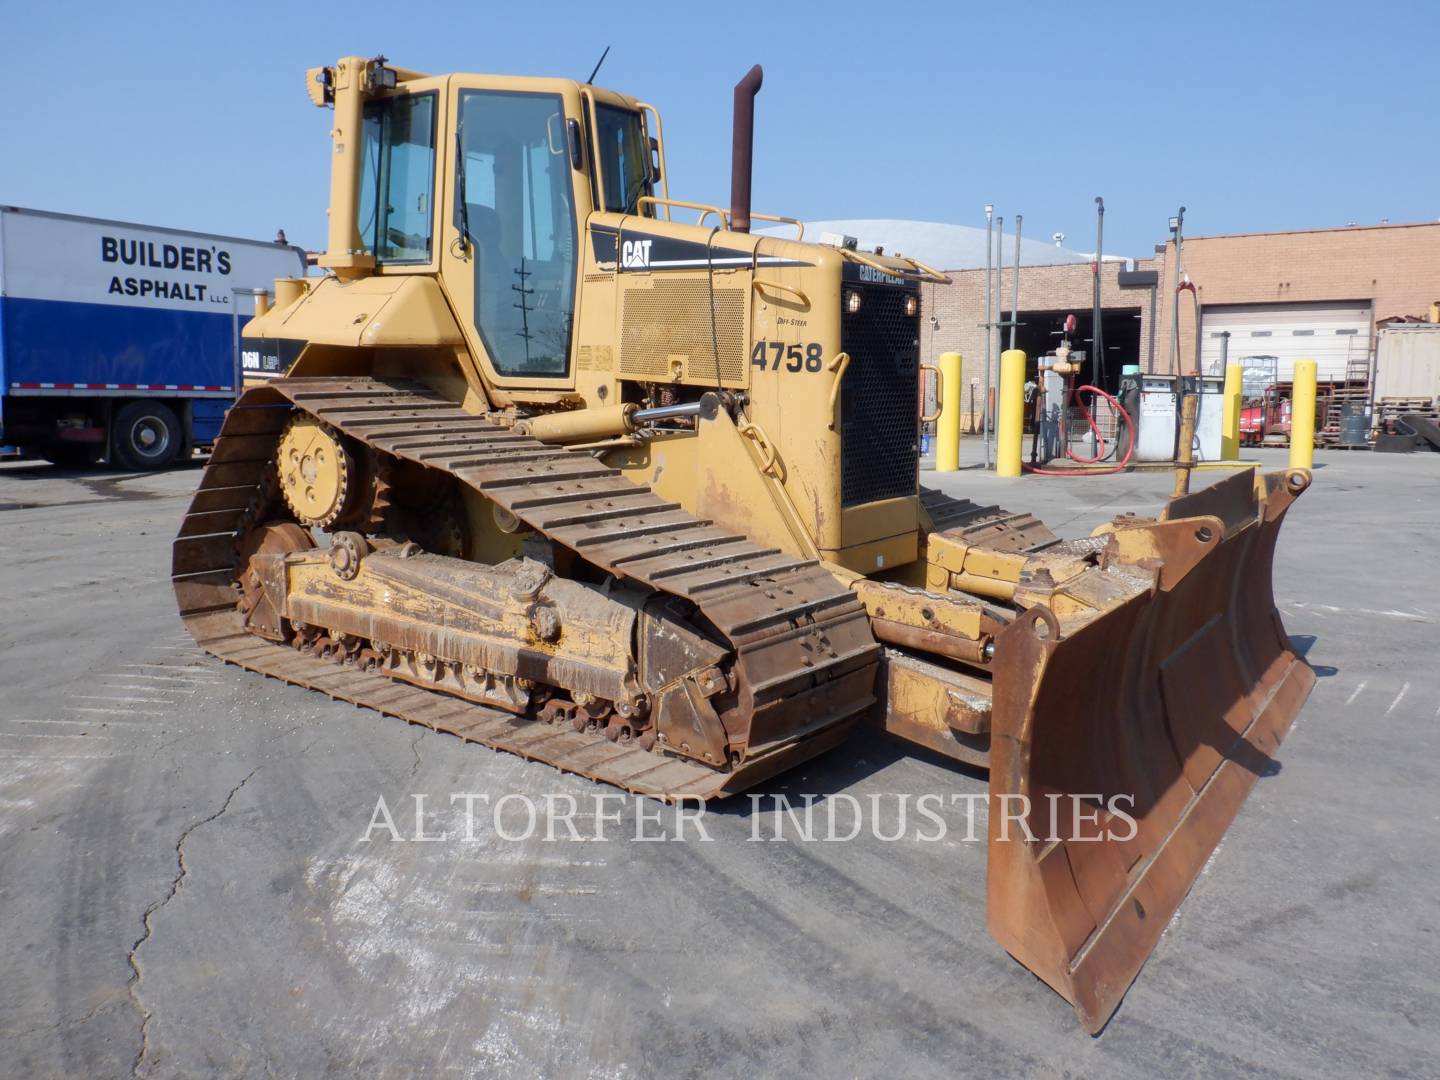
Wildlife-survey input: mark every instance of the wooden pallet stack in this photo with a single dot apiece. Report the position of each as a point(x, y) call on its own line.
point(1389, 409)
point(1353, 390)
point(1340, 395)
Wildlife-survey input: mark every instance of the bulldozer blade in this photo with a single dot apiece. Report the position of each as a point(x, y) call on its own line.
point(1122, 751)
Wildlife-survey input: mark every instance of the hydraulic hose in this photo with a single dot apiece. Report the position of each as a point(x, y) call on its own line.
point(1089, 465)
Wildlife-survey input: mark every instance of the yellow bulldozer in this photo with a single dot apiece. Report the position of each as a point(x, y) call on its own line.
point(539, 465)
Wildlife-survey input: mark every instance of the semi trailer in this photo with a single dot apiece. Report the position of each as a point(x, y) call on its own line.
point(120, 341)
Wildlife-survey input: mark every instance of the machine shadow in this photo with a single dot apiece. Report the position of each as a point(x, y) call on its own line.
point(1302, 644)
point(868, 751)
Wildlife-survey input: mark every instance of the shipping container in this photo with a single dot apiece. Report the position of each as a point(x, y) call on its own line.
point(1407, 362)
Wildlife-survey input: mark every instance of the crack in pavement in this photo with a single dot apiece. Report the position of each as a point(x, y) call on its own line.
point(79, 1021)
point(415, 749)
point(182, 870)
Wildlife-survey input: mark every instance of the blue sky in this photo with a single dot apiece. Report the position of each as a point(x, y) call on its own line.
point(1256, 116)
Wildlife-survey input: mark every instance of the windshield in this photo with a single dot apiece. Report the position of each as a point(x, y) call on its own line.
point(624, 170)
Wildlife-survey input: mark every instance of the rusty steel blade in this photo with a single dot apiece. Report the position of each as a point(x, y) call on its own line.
point(1177, 700)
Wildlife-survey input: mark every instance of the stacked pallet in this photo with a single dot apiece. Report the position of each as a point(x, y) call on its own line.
point(1333, 398)
point(1389, 409)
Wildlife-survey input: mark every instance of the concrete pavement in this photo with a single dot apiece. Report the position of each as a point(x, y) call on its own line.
point(187, 892)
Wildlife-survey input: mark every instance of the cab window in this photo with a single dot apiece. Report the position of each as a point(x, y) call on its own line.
point(624, 161)
point(515, 202)
point(397, 179)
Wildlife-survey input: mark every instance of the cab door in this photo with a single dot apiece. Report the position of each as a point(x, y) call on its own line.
point(519, 194)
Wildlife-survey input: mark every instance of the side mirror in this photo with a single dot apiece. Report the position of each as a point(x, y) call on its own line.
point(577, 146)
point(654, 160)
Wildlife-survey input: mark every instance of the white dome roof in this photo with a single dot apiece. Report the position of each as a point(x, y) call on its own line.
point(945, 247)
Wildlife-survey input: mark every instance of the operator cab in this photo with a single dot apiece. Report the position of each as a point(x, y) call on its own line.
point(520, 164)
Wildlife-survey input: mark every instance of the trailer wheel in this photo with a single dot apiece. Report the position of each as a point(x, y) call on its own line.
point(145, 435)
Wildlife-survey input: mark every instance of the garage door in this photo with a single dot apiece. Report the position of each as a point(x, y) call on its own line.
point(1266, 337)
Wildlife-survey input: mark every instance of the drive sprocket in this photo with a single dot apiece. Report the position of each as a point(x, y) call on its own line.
point(317, 472)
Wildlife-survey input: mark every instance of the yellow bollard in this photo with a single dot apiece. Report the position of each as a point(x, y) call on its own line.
point(947, 428)
point(1010, 418)
point(1230, 423)
point(1302, 416)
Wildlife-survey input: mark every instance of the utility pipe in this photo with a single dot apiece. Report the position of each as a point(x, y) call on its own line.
point(1175, 297)
point(1097, 324)
point(995, 324)
point(984, 405)
point(1015, 285)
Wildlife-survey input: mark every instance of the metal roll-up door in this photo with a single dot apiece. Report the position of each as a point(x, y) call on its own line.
point(1335, 335)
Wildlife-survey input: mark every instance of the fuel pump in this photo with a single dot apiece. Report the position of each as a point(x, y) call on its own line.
point(1057, 375)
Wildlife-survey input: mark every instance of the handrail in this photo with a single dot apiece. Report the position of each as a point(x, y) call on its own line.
point(920, 273)
point(839, 365)
point(760, 284)
point(941, 277)
point(799, 225)
point(656, 200)
point(939, 393)
point(550, 135)
point(644, 106)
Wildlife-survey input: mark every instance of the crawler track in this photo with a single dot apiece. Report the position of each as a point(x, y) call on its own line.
point(804, 657)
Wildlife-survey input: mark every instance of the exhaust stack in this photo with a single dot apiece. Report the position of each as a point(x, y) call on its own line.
point(742, 148)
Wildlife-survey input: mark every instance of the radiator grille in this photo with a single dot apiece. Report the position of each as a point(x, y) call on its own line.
point(672, 318)
point(880, 452)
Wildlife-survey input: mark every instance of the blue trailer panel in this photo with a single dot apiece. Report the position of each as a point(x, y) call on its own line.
point(50, 343)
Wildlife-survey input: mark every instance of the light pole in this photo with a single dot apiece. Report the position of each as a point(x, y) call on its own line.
point(1097, 333)
point(1015, 285)
point(1177, 223)
point(985, 391)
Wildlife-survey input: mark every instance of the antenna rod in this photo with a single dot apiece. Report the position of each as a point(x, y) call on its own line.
point(603, 55)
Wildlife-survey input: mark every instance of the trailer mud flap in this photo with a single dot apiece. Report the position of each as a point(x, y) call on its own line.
point(1122, 751)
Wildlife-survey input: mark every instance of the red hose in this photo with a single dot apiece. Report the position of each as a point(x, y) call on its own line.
point(1100, 451)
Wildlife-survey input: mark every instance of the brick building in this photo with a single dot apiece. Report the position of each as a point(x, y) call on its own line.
point(1316, 293)
point(1130, 298)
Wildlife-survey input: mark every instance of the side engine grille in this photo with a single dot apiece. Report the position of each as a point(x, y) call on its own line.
point(665, 318)
point(879, 445)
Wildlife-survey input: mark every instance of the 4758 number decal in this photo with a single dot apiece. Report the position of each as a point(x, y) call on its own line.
point(768, 355)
